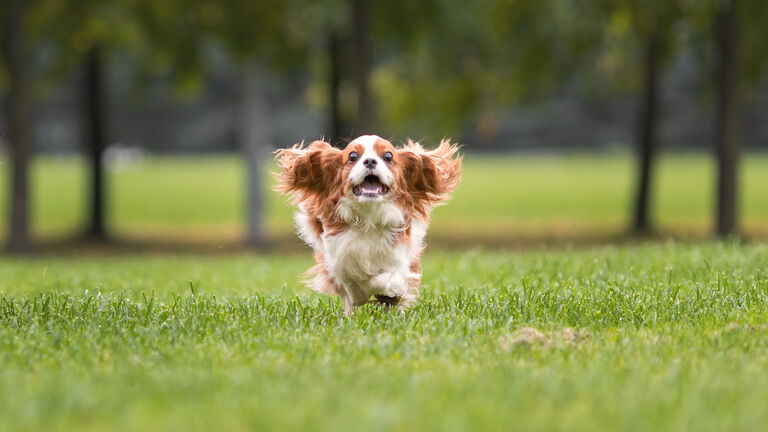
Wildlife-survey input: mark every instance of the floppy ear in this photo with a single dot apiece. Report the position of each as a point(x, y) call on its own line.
point(429, 176)
point(306, 171)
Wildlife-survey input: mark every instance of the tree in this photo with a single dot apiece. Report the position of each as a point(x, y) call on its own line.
point(29, 25)
point(333, 47)
point(168, 38)
point(259, 38)
point(363, 56)
point(469, 59)
point(355, 48)
point(727, 118)
point(646, 136)
point(731, 40)
point(346, 55)
point(15, 57)
point(649, 30)
point(253, 136)
point(275, 44)
point(93, 99)
point(625, 46)
point(80, 35)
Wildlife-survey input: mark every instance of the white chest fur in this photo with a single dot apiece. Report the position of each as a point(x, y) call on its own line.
point(365, 259)
point(367, 248)
point(356, 256)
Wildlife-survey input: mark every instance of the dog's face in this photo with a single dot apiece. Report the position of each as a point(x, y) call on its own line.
point(369, 170)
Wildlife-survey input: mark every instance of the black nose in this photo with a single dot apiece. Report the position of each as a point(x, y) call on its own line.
point(369, 163)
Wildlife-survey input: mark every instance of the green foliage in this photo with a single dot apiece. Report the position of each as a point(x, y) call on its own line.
point(475, 57)
point(642, 337)
point(65, 30)
point(438, 62)
point(263, 30)
point(437, 80)
point(753, 14)
point(165, 37)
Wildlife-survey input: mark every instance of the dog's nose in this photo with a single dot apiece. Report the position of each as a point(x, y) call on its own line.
point(369, 163)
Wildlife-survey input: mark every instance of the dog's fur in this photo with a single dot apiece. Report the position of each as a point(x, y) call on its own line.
point(366, 216)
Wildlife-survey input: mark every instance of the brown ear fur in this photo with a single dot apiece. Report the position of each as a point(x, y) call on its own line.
point(429, 176)
point(309, 173)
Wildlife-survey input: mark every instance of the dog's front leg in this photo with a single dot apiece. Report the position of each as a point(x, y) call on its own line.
point(353, 297)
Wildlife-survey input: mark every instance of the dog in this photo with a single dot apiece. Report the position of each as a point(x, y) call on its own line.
point(365, 210)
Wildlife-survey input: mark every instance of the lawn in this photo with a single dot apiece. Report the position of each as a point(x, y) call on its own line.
point(502, 198)
point(670, 336)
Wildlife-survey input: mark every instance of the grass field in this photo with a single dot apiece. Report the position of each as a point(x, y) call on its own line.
point(502, 197)
point(643, 337)
point(640, 336)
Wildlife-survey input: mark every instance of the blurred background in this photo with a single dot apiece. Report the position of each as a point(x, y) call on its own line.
point(152, 123)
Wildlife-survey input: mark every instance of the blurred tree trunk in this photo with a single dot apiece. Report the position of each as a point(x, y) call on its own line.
point(18, 122)
point(334, 80)
point(727, 118)
point(253, 135)
point(363, 57)
point(93, 98)
point(647, 133)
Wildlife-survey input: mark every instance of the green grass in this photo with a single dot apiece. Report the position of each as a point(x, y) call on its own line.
point(663, 337)
point(196, 198)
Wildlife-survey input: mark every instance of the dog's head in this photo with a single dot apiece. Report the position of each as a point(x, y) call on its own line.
point(370, 170)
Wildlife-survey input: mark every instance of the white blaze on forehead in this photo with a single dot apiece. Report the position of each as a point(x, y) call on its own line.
point(368, 142)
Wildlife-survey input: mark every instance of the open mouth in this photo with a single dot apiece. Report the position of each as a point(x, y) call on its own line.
point(371, 187)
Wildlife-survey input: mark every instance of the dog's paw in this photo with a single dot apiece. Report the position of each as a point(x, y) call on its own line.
point(386, 300)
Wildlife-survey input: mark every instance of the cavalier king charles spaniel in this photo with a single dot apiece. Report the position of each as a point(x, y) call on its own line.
point(365, 211)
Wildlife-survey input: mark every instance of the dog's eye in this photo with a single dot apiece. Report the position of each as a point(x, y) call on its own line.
point(387, 157)
point(353, 157)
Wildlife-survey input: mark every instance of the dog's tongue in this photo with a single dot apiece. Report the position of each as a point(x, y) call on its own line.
point(370, 186)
